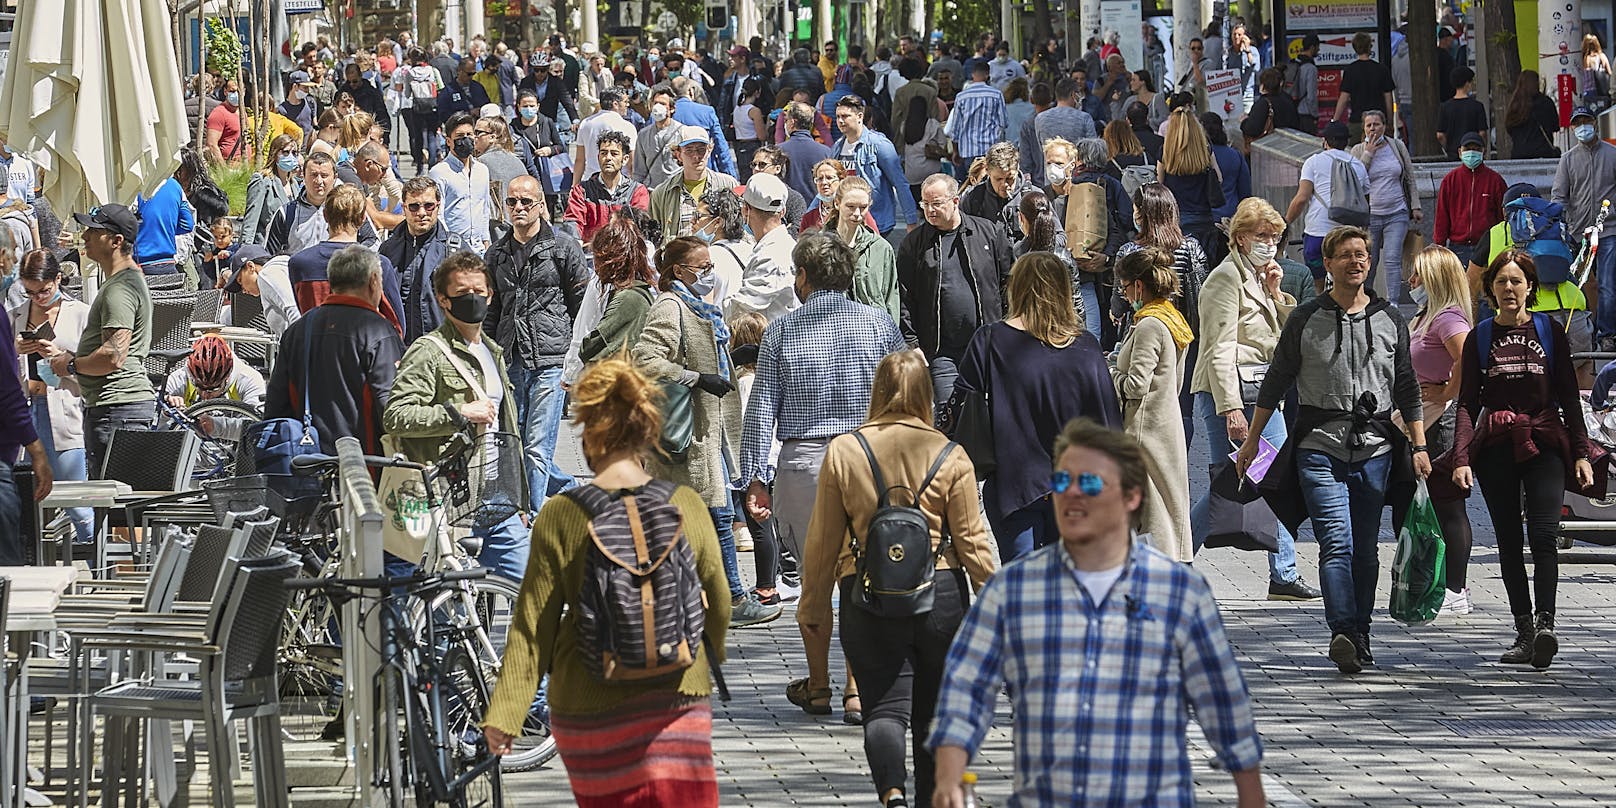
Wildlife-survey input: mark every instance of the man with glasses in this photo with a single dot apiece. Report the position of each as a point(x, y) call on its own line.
point(673, 203)
point(109, 364)
point(539, 282)
point(416, 250)
point(951, 275)
point(463, 94)
point(801, 150)
point(1347, 354)
point(468, 205)
point(384, 194)
point(592, 202)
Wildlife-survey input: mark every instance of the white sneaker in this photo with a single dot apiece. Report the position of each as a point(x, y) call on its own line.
point(1457, 602)
point(789, 593)
point(743, 538)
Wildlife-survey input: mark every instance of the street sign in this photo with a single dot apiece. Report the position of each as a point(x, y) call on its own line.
point(303, 6)
point(667, 21)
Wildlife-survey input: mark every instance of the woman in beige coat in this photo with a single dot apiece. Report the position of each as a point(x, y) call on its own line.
point(1242, 310)
point(1149, 374)
point(685, 342)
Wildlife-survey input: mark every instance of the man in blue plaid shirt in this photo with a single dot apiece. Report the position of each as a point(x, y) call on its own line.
point(1106, 644)
point(978, 119)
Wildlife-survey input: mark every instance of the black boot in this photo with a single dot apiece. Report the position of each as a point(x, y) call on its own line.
point(1544, 643)
point(1520, 651)
point(1360, 640)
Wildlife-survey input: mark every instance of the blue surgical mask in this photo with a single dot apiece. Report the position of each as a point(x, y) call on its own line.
point(287, 162)
point(368, 75)
point(528, 113)
point(233, 99)
point(1584, 131)
point(1471, 159)
point(49, 376)
point(1420, 294)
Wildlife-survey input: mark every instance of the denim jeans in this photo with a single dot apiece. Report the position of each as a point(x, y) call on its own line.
point(11, 546)
point(1021, 531)
point(1386, 234)
point(724, 523)
point(540, 405)
point(944, 376)
point(505, 548)
point(66, 465)
point(1346, 501)
point(1605, 272)
point(1092, 311)
point(1282, 562)
point(101, 422)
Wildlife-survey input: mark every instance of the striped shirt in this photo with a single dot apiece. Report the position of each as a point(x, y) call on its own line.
point(1102, 690)
point(978, 120)
point(814, 371)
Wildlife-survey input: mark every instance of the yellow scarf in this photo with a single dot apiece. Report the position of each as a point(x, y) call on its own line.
point(1170, 316)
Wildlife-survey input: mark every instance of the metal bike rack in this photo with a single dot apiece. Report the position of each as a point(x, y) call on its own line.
point(360, 521)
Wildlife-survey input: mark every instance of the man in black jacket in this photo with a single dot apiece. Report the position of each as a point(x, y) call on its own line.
point(341, 357)
point(951, 275)
point(416, 250)
point(539, 279)
point(803, 74)
point(366, 96)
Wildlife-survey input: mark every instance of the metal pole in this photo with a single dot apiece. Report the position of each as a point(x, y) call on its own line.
point(360, 523)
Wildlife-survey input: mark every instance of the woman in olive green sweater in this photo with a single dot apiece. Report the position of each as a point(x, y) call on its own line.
point(658, 733)
point(875, 283)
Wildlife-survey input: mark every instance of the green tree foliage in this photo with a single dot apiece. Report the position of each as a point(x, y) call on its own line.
point(224, 48)
point(963, 21)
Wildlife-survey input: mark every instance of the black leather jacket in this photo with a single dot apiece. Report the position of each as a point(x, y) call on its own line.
point(538, 288)
point(986, 256)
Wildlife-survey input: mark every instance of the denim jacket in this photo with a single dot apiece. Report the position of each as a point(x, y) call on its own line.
point(876, 160)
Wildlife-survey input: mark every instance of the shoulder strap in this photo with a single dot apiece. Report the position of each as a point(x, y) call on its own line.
point(308, 372)
point(880, 481)
point(936, 465)
point(1484, 343)
point(460, 367)
point(591, 498)
point(1545, 337)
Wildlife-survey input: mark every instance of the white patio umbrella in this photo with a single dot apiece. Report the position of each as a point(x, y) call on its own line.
point(92, 96)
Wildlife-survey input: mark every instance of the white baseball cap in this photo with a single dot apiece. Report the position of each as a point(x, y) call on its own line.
point(765, 192)
point(693, 134)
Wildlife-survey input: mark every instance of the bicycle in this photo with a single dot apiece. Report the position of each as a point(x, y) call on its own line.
point(428, 733)
point(480, 608)
point(218, 424)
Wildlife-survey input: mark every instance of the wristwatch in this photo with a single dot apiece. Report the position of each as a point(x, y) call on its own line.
point(72, 366)
point(1419, 447)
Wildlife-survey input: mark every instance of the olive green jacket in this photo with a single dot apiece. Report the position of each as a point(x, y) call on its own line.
point(875, 283)
point(424, 409)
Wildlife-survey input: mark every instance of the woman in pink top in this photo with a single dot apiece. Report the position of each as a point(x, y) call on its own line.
point(1436, 341)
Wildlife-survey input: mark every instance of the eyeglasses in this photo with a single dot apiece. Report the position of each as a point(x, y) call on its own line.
point(1088, 482)
point(481, 132)
point(936, 205)
point(760, 165)
point(700, 268)
point(38, 293)
point(415, 207)
point(519, 201)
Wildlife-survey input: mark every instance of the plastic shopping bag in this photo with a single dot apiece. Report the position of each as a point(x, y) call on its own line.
point(1419, 573)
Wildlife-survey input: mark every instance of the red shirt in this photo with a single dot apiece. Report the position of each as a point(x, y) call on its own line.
point(1468, 204)
point(225, 121)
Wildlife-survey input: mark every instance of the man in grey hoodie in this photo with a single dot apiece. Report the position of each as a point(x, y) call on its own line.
point(1347, 353)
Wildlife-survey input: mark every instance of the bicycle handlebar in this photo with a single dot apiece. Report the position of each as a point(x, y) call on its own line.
point(386, 582)
point(311, 464)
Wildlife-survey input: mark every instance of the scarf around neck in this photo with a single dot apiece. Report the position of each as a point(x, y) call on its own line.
point(1170, 317)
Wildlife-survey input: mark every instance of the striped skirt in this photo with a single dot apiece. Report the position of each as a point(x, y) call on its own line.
point(651, 751)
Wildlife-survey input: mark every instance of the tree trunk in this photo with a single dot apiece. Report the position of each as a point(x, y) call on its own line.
point(1503, 66)
point(1042, 30)
point(1422, 72)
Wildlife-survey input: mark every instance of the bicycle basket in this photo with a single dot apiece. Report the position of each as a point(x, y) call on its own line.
point(484, 486)
point(286, 496)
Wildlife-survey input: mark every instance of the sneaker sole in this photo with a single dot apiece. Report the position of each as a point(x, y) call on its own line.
point(747, 624)
point(1345, 655)
point(1289, 598)
point(1544, 647)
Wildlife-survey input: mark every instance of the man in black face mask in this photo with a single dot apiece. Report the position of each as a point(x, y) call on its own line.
point(453, 378)
point(366, 96)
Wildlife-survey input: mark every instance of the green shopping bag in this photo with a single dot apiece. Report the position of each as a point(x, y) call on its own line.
point(1419, 574)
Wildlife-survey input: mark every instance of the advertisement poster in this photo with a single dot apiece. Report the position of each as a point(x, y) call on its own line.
point(1335, 50)
point(1123, 16)
point(1330, 15)
point(1223, 95)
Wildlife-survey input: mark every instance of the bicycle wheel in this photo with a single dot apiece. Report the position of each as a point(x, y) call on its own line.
point(390, 741)
point(473, 773)
point(219, 454)
point(310, 659)
point(494, 599)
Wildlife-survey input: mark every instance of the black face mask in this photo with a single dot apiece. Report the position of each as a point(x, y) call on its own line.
point(469, 307)
point(463, 147)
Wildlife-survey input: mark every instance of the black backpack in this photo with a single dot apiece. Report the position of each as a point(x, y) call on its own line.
point(641, 609)
point(895, 566)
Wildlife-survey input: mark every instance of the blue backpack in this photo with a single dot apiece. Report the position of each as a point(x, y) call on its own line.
point(1536, 226)
point(1545, 338)
point(275, 441)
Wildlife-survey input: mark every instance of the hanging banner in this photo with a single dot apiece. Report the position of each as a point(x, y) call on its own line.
point(1559, 43)
point(1331, 15)
point(1335, 50)
point(303, 6)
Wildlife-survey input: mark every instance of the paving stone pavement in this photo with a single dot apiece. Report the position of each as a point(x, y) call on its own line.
point(1388, 737)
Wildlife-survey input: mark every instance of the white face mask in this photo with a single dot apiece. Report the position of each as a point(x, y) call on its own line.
point(1262, 252)
point(1055, 173)
point(659, 112)
point(1420, 295)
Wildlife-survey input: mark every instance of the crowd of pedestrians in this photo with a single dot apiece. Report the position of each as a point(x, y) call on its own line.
point(807, 294)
